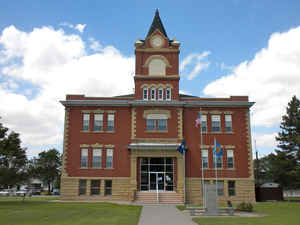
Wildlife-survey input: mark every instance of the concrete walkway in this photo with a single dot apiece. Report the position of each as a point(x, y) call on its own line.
point(164, 215)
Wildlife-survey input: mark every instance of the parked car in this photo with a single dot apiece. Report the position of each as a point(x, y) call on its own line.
point(7, 192)
point(23, 192)
point(35, 191)
point(4, 192)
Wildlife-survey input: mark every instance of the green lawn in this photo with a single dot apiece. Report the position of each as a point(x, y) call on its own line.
point(43, 212)
point(278, 213)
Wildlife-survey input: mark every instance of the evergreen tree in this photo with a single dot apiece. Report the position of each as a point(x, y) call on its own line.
point(12, 159)
point(289, 137)
point(286, 162)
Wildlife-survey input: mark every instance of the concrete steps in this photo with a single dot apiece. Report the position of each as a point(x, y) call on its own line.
point(163, 198)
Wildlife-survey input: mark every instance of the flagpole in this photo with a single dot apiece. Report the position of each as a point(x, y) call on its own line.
point(216, 170)
point(184, 174)
point(203, 190)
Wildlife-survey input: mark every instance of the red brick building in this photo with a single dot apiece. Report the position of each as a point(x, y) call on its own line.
point(125, 147)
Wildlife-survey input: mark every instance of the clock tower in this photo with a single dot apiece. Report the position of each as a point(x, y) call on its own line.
point(156, 68)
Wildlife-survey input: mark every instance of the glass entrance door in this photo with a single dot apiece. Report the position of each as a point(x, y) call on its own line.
point(157, 181)
point(157, 174)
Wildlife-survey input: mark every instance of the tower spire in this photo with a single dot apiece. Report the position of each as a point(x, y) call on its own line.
point(157, 24)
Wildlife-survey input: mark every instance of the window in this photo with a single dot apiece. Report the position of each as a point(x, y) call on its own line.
point(220, 187)
point(150, 125)
point(204, 158)
point(228, 123)
point(98, 122)
point(86, 122)
point(160, 94)
point(219, 161)
point(108, 187)
point(168, 94)
point(82, 187)
point(162, 125)
point(145, 94)
point(216, 123)
point(95, 187)
point(97, 153)
point(84, 158)
point(153, 97)
point(111, 122)
point(157, 67)
point(230, 160)
point(231, 188)
point(203, 123)
point(109, 158)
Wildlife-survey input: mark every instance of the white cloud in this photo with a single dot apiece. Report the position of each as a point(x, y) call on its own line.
point(95, 45)
point(223, 66)
point(265, 140)
point(270, 79)
point(193, 64)
point(57, 64)
point(78, 27)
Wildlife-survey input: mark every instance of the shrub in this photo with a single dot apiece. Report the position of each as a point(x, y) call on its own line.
point(246, 207)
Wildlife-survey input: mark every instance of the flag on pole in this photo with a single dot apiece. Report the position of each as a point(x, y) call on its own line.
point(218, 150)
point(198, 121)
point(182, 147)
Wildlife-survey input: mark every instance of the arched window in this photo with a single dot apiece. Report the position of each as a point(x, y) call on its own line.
point(157, 67)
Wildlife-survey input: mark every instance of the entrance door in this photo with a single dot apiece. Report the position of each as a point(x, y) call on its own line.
point(157, 181)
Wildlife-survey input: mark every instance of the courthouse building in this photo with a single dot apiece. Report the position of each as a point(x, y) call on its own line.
point(126, 147)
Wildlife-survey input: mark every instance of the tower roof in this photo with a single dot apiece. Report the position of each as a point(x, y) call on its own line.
point(157, 24)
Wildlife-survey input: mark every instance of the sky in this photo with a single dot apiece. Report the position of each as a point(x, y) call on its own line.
point(52, 48)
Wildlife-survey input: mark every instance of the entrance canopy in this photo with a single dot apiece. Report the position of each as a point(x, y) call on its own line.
point(154, 146)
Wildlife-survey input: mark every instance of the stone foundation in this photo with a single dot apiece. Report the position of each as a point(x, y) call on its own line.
point(120, 189)
point(244, 191)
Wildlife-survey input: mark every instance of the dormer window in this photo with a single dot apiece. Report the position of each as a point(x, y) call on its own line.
point(160, 94)
point(153, 93)
point(168, 94)
point(145, 94)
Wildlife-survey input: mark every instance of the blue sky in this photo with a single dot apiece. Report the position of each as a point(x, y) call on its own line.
point(229, 47)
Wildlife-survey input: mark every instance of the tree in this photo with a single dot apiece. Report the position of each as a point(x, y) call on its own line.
point(12, 158)
point(289, 137)
point(46, 167)
point(286, 162)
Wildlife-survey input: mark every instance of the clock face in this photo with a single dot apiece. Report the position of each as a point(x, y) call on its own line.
point(157, 42)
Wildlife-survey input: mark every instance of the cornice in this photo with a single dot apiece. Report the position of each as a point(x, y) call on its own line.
point(175, 103)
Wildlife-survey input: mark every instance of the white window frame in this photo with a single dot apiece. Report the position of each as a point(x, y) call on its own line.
point(230, 154)
point(204, 154)
point(98, 117)
point(96, 153)
point(216, 118)
point(168, 95)
point(228, 121)
point(84, 152)
point(153, 94)
point(145, 94)
point(160, 94)
point(109, 153)
point(86, 117)
point(110, 118)
point(203, 122)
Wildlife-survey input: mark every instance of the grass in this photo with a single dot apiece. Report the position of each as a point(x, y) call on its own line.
point(277, 213)
point(43, 212)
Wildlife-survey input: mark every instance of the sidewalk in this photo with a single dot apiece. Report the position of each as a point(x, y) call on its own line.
point(164, 215)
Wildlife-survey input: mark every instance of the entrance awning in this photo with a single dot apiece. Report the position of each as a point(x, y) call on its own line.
point(154, 146)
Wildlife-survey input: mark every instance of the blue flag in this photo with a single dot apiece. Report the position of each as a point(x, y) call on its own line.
point(182, 147)
point(218, 150)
